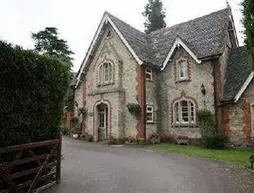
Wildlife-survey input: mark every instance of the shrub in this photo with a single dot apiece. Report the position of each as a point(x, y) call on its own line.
point(33, 88)
point(131, 140)
point(211, 138)
point(154, 138)
point(65, 130)
point(216, 141)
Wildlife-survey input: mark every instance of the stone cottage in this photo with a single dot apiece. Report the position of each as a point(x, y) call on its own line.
point(169, 74)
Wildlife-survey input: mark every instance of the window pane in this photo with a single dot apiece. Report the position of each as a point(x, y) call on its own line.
point(185, 117)
point(149, 74)
point(182, 69)
point(149, 113)
point(177, 112)
point(192, 112)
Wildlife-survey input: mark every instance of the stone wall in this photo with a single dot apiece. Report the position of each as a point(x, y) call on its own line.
point(122, 91)
point(238, 123)
point(172, 89)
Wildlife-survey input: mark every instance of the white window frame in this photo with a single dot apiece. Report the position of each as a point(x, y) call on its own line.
point(178, 112)
point(149, 72)
point(179, 63)
point(102, 73)
point(150, 111)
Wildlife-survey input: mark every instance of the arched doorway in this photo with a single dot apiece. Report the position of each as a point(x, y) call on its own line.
point(102, 121)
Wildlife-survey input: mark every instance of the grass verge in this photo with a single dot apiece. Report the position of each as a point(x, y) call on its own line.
point(233, 156)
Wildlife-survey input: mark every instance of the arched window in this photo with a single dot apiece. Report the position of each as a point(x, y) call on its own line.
point(106, 73)
point(184, 112)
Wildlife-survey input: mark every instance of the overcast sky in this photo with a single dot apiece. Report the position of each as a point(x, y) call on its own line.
point(77, 20)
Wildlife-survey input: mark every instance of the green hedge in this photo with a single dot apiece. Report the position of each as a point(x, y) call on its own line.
point(32, 91)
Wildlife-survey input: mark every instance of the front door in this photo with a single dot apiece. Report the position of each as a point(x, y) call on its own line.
point(102, 122)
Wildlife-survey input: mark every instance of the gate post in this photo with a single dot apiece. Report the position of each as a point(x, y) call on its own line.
point(59, 158)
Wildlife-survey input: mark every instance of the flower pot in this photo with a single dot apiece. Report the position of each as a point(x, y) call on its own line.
point(75, 136)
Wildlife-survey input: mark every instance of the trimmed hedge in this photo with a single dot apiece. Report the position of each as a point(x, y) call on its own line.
point(32, 91)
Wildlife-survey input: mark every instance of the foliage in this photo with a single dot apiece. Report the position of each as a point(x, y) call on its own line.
point(47, 42)
point(154, 138)
point(65, 130)
point(69, 99)
point(234, 156)
point(248, 22)
point(155, 16)
point(82, 111)
point(32, 88)
point(212, 139)
point(206, 122)
point(216, 141)
point(134, 108)
point(74, 120)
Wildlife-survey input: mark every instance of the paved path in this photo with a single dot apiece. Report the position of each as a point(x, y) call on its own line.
point(95, 168)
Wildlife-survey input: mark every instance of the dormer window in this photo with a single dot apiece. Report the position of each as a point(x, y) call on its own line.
point(106, 73)
point(182, 70)
point(149, 74)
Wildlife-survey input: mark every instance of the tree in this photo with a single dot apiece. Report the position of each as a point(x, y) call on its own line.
point(155, 16)
point(47, 42)
point(248, 22)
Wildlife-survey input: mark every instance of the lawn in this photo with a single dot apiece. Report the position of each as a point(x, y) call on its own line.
point(234, 156)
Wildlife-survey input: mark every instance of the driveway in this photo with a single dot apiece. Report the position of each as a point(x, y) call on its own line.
point(96, 168)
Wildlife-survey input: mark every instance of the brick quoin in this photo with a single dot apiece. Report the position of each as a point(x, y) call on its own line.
point(139, 98)
point(246, 120)
point(219, 113)
point(225, 121)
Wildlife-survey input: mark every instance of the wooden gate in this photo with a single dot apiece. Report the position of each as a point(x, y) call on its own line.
point(30, 167)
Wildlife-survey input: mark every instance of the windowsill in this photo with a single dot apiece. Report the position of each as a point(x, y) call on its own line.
point(105, 84)
point(182, 80)
point(150, 122)
point(184, 125)
point(150, 80)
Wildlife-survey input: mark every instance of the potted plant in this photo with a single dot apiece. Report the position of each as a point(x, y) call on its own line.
point(182, 140)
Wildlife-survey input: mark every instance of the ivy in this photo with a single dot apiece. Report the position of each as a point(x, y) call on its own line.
point(33, 88)
point(134, 108)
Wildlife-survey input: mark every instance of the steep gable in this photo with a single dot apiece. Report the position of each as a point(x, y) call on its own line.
point(238, 74)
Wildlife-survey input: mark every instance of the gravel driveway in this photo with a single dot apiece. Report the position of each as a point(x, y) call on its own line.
point(96, 168)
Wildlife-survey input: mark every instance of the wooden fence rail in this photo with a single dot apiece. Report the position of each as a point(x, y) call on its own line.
point(29, 167)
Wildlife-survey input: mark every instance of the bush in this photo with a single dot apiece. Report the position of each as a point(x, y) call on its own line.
point(33, 88)
point(216, 141)
point(65, 130)
point(211, 138)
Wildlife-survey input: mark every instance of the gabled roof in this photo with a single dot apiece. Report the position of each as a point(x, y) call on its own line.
point(205, 36)
point(238, 74)
point(179, 42)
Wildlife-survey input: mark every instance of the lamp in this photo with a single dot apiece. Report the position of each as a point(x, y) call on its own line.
point(203, 90)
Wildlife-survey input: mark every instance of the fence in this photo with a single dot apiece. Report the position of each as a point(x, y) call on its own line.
point(30, 167)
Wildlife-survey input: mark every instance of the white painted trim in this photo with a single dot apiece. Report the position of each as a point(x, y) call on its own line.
point(105, 19)
point(140, 62)
point(177, 43)
point(245, 85)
